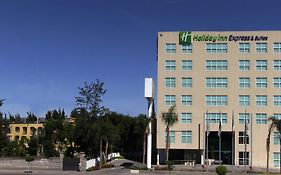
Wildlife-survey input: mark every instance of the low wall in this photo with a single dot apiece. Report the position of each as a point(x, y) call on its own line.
point(16, 163)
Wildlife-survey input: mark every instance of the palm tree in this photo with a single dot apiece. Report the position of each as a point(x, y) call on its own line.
point(277, 124)
point(270, 130)
point(169, 118)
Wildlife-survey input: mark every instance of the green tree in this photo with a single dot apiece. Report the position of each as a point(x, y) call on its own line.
point(90, 98)
point(169, 118)
point(53, 132)
point(68, 132)
point(4, 129)
point(277, 125)
point(33, 146)
point(31, 118)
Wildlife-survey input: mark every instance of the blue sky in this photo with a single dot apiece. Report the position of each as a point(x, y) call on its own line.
point(48, 48)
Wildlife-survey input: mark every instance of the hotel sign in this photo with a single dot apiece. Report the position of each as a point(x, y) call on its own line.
point(186, 38)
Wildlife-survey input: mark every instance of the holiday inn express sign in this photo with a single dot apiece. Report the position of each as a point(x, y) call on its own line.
point(186, 38)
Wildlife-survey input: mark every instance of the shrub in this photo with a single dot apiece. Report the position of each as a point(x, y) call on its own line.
point(169, 165)
point(221, 170)
point(29, 158)
point(107, 166)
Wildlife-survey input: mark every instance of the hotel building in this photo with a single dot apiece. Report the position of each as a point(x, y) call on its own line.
point(223, 77)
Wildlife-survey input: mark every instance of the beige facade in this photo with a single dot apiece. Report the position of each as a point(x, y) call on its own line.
point(219, 75)
point(24, 130)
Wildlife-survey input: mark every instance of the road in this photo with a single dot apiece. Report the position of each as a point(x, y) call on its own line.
point(112, 171)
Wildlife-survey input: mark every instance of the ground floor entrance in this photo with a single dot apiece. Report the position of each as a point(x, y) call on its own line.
point(182, 156)
point(213, 147)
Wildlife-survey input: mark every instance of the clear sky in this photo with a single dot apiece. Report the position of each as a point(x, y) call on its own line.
point(48, 48)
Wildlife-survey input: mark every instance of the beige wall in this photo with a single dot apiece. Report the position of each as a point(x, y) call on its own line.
point(198, 90)
point(13, 133)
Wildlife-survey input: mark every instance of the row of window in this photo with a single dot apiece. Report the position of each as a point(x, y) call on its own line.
point(243, 157)
point(221, 65)
point(222, 100)
point(214, 118)
point(186, 136)
point(222, 82)
point(223, 48)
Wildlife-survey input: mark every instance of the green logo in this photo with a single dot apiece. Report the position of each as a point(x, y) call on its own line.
point(185, 38)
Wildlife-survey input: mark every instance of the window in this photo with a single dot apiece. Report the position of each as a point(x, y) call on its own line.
point(216, 48)
point(242, 117)
point(277, 47)
point(24, 138)
point(277, 82)
point(242, 139)
point(216, 65)
point(186, 82)
point(186, 117)
point(24, 130)
point(277, 116)
point(186, 137)
point(170, 65)
point(261, 100)
point(277, 64)
point(276, 138)
point(170, 100)
point(170, 48)
point(261, 118)
point(261, 47)
point(32, 130)
point(186, 48)
point(216, 100)
point(243, 158)
point(244, 82)
point(170, 82)
point(261, 82)
point(244, 64)
point(216, 82)
point(244, 100)
point(17, 138)
point(172, 136)
point(244, 47)
point(261, 65)
point(216, 117)
point(17, 129)
point(186, 65)
point(276, 159)
point(277, 100)
point(186, 100)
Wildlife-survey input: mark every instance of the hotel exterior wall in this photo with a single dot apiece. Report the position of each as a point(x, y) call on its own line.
point(198, 91)
point(13, 133)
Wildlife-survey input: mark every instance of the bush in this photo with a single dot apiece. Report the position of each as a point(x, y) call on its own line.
point(107, 166)
point(221, 170)
point(169, 165)
point(29, 158)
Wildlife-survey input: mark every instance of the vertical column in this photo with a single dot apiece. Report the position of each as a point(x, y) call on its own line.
point(83, 162)
point(149, 134)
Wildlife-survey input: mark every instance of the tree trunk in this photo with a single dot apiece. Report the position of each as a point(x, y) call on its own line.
point(144, 148)
point(280, 154)
point(100, 154)
point(267, 153)
point(167, 143)
point(106, 150)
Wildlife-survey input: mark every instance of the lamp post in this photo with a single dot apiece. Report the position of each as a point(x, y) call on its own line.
point(148, 94)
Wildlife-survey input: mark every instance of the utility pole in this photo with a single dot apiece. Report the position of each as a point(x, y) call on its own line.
point(148, 93)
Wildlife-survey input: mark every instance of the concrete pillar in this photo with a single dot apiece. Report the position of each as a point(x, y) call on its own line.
point(83, 161)
point(61, 161)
